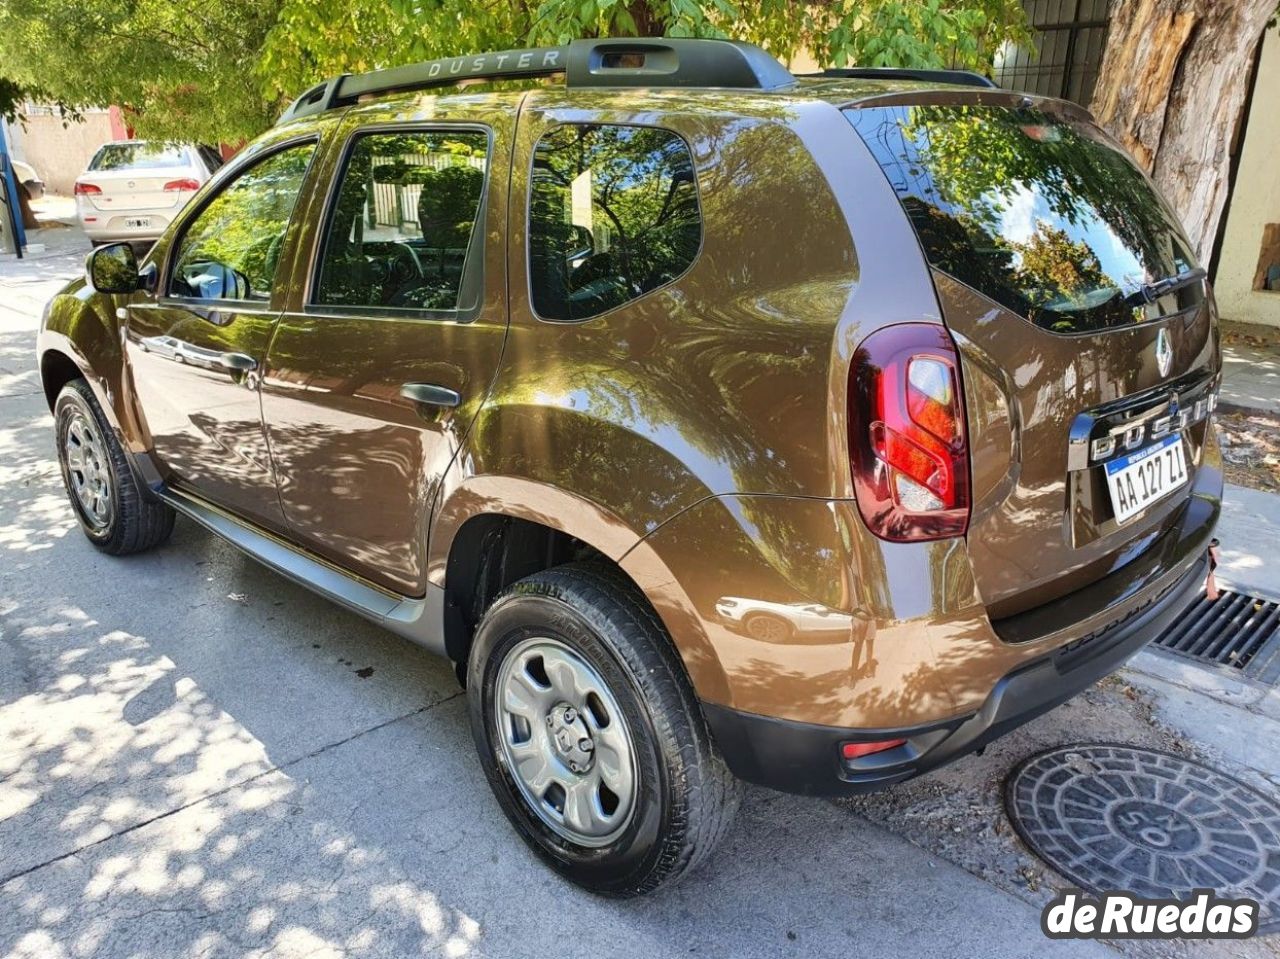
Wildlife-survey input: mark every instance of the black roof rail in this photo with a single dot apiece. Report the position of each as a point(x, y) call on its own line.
point(620, 62)
point(963, 77)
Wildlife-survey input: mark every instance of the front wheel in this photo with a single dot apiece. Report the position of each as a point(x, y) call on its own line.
point(115, 512)
point(590, 735)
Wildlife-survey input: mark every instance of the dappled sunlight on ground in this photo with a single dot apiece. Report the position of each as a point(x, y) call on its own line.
point(29, 476)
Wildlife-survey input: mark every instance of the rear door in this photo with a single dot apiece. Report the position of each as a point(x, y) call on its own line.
point(1084, 325)
point(393, 333)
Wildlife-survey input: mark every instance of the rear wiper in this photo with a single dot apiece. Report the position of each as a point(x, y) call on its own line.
point(1150, 292)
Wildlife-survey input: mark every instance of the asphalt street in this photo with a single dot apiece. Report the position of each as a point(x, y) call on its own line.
point(198, 758)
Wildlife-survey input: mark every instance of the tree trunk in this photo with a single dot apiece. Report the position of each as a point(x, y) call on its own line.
point(29, 221)
point(1172, 90)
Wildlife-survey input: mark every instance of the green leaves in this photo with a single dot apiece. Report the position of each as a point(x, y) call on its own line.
point(180, 70)
point(222, 70)
point(916, 33)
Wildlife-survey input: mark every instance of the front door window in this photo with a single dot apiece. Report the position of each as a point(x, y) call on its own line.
point(232, 248)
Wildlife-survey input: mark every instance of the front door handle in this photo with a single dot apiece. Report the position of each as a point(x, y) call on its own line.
point(238, 362)
point(428, 394)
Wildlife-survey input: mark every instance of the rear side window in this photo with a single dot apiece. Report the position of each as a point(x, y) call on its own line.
point(403, 227)
point(139, 156)
point(1039, 213)
point(613, 214)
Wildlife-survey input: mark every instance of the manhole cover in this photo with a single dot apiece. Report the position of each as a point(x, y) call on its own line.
point(1112, 817)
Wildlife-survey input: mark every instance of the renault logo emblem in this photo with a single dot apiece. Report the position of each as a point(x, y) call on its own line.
point(1164, 353)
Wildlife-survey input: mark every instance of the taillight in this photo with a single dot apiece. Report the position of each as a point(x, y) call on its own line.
point(907, 442)
point(178, 186)
point(85, 189)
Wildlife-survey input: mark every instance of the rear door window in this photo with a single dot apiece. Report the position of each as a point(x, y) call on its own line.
point(613, 214)
point(1040, 213)
point(402, 231)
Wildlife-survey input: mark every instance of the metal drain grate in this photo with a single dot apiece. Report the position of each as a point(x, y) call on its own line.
point(1235, 630)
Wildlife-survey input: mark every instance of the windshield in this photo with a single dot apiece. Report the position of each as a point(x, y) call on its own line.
point(139, 156)
point(1041, 214)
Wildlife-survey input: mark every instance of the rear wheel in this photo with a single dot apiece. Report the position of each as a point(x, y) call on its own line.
point(590, 735)
point(115, 513)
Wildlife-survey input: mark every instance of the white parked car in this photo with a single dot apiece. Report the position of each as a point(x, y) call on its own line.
point(779, 622)
point(132, 188)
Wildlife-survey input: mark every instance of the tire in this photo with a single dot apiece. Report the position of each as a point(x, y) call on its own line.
point(682, 798)
point(124, 518)
point(768, 628)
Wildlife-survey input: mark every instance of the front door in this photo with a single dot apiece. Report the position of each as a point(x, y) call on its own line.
point(196, 346)
point(378, 368)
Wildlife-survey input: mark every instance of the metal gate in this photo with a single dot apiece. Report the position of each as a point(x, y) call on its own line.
point(1071, 36)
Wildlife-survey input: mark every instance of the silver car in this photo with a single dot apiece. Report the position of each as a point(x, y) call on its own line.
point(133, 188)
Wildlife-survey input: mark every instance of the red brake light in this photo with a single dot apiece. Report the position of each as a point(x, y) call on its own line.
point(178, 186)
point(907, 441)
point(84, 189)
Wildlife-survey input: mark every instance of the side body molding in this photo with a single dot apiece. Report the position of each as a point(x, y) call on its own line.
point(418, 620)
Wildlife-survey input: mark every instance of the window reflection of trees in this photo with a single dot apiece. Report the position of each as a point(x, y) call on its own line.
point(961, 171)
point(613, 214)
point(403, 224)
point(242, 230)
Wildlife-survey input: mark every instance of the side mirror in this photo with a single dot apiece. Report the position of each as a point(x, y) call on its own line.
point(113, 269)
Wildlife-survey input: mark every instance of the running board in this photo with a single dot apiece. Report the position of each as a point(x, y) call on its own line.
point(418, 620)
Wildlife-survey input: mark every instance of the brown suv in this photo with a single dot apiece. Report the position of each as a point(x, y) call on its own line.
point(716, 423)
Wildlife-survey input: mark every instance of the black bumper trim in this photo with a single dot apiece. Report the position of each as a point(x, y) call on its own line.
point(804, 758)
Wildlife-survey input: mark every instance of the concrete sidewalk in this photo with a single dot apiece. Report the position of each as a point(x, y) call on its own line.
point(1235, 721)
point(1251, 374)
point(1251, 378)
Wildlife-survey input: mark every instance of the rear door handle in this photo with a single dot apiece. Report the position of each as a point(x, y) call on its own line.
point(428, 394)
point(238, 362)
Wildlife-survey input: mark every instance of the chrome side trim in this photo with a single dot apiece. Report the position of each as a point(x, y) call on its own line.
point(418, 620)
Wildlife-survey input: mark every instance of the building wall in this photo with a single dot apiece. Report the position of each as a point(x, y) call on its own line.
point(60, 153)
point(1255, 201)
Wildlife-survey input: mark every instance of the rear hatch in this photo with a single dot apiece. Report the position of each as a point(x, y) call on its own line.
point(1086, 332)
point(133, 176)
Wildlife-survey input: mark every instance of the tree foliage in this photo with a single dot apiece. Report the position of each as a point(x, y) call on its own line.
point(221, 70)
point(182, 70)
point(314, 39)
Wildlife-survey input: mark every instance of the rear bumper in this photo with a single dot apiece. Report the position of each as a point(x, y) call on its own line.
point(104, 226)
point(804, 758)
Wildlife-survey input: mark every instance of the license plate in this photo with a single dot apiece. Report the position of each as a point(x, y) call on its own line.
point(138, 223)
point(1139, 479)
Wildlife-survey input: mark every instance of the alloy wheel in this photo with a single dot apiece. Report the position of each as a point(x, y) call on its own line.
point(86, 459)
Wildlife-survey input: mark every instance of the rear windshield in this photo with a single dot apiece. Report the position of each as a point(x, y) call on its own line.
point(1039, 213)
point(139, 156)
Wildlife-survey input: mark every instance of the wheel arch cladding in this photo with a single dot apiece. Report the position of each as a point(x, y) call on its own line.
point(490, 548)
